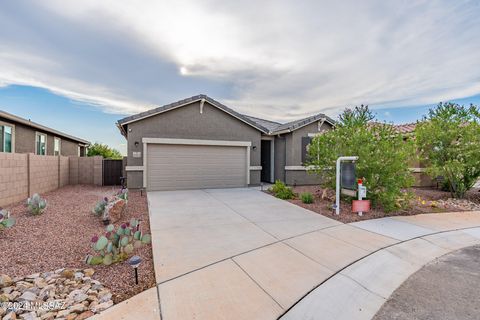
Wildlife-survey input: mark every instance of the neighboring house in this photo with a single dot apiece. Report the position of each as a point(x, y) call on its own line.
point(200, 143)
point(417, 167)
point(24, 136)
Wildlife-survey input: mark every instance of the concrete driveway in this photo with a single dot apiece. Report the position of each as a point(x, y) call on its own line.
point(195, 228)
point(243, 254)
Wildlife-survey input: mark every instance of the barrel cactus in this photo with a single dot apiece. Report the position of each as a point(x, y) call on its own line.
point(117, 243)
point(5, 220)
point(36, 204)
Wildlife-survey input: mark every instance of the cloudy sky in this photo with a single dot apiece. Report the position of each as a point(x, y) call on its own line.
point(275, 59)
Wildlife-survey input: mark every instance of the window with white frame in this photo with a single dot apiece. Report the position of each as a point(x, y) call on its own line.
point(40, 144)
point(57, 146)
point(6, 137)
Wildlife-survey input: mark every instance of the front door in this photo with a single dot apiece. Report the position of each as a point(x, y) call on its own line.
point(266, 161)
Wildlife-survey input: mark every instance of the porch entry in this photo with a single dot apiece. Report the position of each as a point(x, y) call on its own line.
point(266, 160)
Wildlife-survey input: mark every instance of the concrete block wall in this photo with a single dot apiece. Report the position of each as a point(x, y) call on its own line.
point(13, 177)
point(64, 171)
point(43, 173)
point(22, 174)
point(86, 170)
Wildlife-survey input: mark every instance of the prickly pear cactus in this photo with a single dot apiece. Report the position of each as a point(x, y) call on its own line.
point(5, 220)
point(36, 204)
point(117, 244)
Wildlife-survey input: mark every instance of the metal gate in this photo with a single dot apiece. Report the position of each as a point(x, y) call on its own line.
point(112, 172)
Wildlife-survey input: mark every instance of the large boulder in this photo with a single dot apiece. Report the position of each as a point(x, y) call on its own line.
point(115, 210)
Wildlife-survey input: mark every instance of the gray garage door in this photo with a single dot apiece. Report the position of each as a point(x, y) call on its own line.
point(173, 167)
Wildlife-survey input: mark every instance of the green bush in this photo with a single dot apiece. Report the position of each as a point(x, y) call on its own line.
point(306, 197)
point(384, 156)
point(281, 191)
point(448, 140)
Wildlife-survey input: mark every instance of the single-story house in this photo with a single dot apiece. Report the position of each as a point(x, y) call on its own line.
point(19, 135)
point(200, 143)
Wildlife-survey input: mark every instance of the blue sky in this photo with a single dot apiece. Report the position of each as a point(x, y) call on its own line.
point(100, 60)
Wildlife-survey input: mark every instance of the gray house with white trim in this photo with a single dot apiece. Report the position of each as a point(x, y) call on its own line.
point(200, 143)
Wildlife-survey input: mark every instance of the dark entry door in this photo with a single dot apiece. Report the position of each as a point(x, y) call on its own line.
point(112, 172)
point(265, 160)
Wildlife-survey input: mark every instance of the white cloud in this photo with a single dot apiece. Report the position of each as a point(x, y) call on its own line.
point(268, 58)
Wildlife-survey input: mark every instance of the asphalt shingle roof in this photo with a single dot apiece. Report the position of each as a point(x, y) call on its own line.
point(265, 126)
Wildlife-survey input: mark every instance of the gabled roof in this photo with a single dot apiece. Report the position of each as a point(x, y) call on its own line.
point(265, 126)
point(270, 125)
point(184, 102)
point(297, 124)
point(35, 125)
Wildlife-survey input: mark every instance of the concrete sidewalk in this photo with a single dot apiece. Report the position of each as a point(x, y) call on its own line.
point(242, 254)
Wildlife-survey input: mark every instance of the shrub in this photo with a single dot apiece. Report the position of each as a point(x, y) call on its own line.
point(281, 191)
point(448, 140)
point(116, 245)
point(384, 156)
point(100, 206)
point(306, 197)
point(5, 220)
point(36, 204)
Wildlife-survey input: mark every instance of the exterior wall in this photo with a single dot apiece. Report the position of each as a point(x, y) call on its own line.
point(25, 140)
point(279, 158)
point(188, 123)
point(293, 156)
point(13, 177)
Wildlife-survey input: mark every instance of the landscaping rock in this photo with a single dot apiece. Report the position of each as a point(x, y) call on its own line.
point(5, 281)
point(88, 272)
point(28, 296)
point(10, 316)
point(70, 289)
point(84, 315)
point(115, 210)
point(102, 306)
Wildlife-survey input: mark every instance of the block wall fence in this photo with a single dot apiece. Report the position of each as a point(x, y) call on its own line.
point(23, 174)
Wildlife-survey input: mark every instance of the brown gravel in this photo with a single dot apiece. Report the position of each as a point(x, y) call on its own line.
point(60, 237)
point(324, 207)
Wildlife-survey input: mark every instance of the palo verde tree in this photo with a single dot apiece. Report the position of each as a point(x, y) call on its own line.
point(384, 156)
point(99, 149)
point(448, 140)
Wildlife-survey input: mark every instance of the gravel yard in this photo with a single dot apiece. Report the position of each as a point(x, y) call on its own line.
point(425, 201)
point(60, 238)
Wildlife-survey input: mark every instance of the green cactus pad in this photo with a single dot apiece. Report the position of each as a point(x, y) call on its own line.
point(146, 238)
point(124, 241)
point(110, 228)
point(96, 260)
point(127, 231)
point(128, 248)
point(137, 235)
point(137, 244)
point(101, 243)
point(120, 231)
point(8, 223)
point(108, 259)
point(109, 247)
